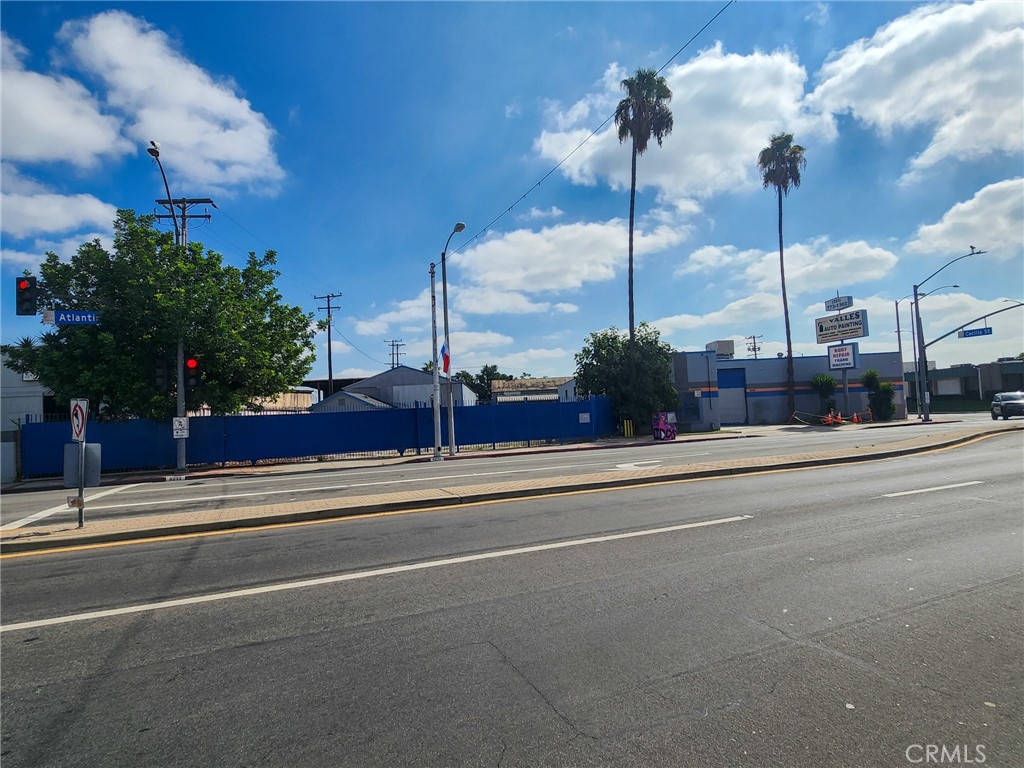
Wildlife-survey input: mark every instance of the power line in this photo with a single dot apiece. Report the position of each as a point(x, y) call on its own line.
point(593, 133)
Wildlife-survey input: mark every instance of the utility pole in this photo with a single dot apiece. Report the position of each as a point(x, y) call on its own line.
point(181, 238)
point(330, 322)
point(395, 345)
point(752, 345)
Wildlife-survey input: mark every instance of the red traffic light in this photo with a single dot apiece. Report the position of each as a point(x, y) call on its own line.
point(191, 363)
point(22, 284)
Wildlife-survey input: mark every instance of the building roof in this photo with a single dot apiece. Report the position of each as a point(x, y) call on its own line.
point(529, 385)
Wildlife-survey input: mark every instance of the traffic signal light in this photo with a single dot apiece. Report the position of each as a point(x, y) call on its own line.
point(160, 377)
point(193, 372)
point(26, 302)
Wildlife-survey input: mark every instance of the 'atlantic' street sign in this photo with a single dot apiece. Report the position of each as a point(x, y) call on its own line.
point(75, 317)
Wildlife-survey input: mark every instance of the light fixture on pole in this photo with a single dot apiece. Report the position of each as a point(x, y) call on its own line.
point(447, 348)
point(918, 396)
point(923, 364)
point(436, 398)
point(180, 458)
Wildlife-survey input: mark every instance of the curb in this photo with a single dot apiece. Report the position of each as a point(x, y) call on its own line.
point(41, 542)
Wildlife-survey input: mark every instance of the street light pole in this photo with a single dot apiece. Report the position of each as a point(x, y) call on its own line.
point(923, 376)
point(437, 382)
point(899, 343)
point(180, 458)
point(447, 342)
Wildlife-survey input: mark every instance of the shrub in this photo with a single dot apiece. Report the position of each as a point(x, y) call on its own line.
point(825, 386)
point(881, 395)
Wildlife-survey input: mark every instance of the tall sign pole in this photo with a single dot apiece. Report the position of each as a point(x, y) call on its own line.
point(79, 418)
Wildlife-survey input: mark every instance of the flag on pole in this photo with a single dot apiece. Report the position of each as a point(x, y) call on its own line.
point(445, 359)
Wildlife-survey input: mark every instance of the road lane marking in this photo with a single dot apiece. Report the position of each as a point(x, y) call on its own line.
point(345, 487)
point(339, 578)
point(62, 508)
point(929, 490)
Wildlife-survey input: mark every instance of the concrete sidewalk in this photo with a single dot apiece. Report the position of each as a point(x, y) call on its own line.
point(134, 528)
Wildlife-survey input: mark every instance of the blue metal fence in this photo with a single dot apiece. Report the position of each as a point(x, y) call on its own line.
point(143, 444)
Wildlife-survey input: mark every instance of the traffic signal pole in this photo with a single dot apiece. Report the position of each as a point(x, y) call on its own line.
point(181, 238)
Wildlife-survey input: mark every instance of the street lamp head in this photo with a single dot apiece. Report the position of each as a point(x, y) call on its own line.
point(153, 149)
point(459, 227)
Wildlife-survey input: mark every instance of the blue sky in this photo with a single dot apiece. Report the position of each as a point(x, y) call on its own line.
point(350, 137)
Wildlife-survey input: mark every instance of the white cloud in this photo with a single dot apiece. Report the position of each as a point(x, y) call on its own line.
point(558, 258)
point(992, 220)
point(537, 362)
point(65, 249)
point(27, 215)
point(755, 307)
point(211, 137)
point(513, 110)
point(727, 107)
point(415, 311)
point(476, 300)
point(952, 67)
point(48, 118)
point(356, 373)
point(19, 259)
point(818, 265)
point(711, 258)
point(554, 212)
point(818, 14)
point(810, 266)
point(465, 342)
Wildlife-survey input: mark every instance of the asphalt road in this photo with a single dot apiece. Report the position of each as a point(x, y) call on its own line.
point(213, 492)
point(806, 618)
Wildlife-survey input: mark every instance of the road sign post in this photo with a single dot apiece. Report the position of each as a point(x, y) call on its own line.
point(79, 418)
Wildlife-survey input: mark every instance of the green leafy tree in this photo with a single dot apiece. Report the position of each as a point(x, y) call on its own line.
point(643, 113)
point(825, 386)
point(150, 292)
point(481, 382)
point(603, 368)
point(780, 164)
point(881, 395)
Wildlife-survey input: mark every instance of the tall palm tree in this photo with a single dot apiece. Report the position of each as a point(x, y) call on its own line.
point(642, 114)
point(780, 164)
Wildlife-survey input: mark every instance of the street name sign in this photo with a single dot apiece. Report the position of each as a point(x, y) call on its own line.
point(75, 317)
point(838, 303)
point(970, 333)
point(848, 325)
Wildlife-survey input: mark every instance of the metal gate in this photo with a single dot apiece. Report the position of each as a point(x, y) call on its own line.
point(732, 395)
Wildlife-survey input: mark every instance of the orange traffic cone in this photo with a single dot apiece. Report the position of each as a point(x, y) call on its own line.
point(839, 418)
point(856, 417)
point(827, 418)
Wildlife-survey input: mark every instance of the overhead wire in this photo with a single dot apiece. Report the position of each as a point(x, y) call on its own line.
point(591, 135)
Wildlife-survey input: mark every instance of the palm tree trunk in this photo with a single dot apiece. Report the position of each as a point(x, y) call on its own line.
point(790, 383)
point(632, 208)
